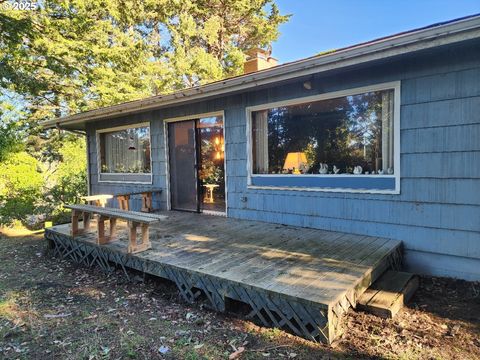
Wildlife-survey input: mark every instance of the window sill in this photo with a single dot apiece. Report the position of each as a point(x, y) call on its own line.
point(378, 184)
point(127, 178)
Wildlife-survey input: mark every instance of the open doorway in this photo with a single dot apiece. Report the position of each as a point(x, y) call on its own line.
point(197, 165)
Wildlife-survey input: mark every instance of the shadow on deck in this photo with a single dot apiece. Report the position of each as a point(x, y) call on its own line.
point(299, 279)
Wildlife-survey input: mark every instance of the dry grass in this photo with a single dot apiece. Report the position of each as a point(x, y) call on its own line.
point(52, 309)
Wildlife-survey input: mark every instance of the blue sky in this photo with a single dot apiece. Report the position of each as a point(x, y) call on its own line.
point(318, 25)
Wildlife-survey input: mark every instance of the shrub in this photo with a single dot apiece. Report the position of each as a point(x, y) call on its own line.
point(32, 192)
point(68, 181)
point(21, 186)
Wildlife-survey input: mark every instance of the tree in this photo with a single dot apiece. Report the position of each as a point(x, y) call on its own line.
point(69, 56)
point(75, 55)
point(208, 38)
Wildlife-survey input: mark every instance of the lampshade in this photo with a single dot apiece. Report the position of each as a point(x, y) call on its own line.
point(294, 160)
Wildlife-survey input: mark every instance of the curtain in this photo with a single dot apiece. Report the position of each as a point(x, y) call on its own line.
point(126, 151)
point(387, 131)
point(260, 142)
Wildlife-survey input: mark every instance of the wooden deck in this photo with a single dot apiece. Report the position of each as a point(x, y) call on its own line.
point(300, 279)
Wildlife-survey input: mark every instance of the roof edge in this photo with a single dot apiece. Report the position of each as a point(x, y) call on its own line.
point(403, 43)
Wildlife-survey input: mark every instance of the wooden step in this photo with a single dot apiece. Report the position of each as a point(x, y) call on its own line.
point(386, 296)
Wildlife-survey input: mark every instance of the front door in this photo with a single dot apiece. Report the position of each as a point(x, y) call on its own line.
point(196, 160)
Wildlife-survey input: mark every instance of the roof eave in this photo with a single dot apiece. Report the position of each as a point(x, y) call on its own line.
point(420, 40)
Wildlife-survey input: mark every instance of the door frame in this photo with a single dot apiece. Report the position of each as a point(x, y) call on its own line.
point(167, 151)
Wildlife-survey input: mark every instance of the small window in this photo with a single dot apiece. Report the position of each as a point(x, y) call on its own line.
point(343, 135)
point(125, 151)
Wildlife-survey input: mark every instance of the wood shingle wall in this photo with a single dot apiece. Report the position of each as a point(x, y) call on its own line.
point(437, 213)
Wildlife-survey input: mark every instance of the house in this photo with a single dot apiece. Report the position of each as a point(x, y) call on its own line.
point(380, 139)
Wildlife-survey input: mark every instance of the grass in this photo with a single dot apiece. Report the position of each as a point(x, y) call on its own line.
point(53, 309)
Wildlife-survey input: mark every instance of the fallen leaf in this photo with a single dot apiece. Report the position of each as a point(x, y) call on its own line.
point(236, 354)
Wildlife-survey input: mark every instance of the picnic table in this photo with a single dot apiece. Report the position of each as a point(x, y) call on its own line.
point(134, 219)
point(147, 203)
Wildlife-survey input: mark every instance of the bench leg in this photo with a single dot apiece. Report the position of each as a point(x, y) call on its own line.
point(147, 202)
point(86, 221)
point(123, 202)
point(101, 238)
point(113, 228)
point(132, 236)
point(74, 230)
point(145, 236)
point(134, 246)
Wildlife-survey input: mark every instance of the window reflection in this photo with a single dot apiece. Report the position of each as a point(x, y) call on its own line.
point(212, 169)
point(345, 135)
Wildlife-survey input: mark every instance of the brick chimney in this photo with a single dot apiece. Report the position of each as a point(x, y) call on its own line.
point(258, 59)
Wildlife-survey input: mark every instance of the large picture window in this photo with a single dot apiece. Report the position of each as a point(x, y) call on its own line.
point(344, 141)
point(330, 136)
point(125, 151)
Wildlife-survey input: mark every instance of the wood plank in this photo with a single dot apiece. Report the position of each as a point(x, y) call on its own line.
point(247, 260)
point(244, 256)
point(121, 214)
point(389, 293)
point(208, 264)
point(259, 254)
point(294, 254)
point(326, 282)
point(140, 192)
point(377, 259)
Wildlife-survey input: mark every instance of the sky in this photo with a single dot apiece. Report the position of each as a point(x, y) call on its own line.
point(319, 25)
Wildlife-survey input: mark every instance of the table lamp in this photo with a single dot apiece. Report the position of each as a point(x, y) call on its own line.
point(294, 161)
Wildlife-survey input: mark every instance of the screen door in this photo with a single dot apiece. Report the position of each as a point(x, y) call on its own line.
point(183, 165)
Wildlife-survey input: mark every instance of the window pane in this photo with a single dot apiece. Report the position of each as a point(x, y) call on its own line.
point(125, 151)
point(352, 134)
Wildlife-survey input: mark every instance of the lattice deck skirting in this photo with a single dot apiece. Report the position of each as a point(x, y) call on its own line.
point(313, 321)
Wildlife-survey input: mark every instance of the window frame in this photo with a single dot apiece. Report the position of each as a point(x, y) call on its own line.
point(393, 85)
point(123, 177)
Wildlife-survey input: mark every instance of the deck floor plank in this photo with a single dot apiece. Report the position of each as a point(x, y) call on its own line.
point(321, 260)
point(316, 267)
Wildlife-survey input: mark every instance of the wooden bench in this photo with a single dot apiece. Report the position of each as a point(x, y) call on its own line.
point(147, 203)
point(133, 218)
point(98, 200)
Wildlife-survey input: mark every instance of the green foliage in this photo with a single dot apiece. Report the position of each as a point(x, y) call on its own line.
point(21, 185)
point(9, 142)
point(75, 55)
point(208, 39)
point(29, 187)
point(73, 158)
point(11, 127)
point(67, 180)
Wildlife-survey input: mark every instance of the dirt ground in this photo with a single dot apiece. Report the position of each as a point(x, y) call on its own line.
point(53, 309)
